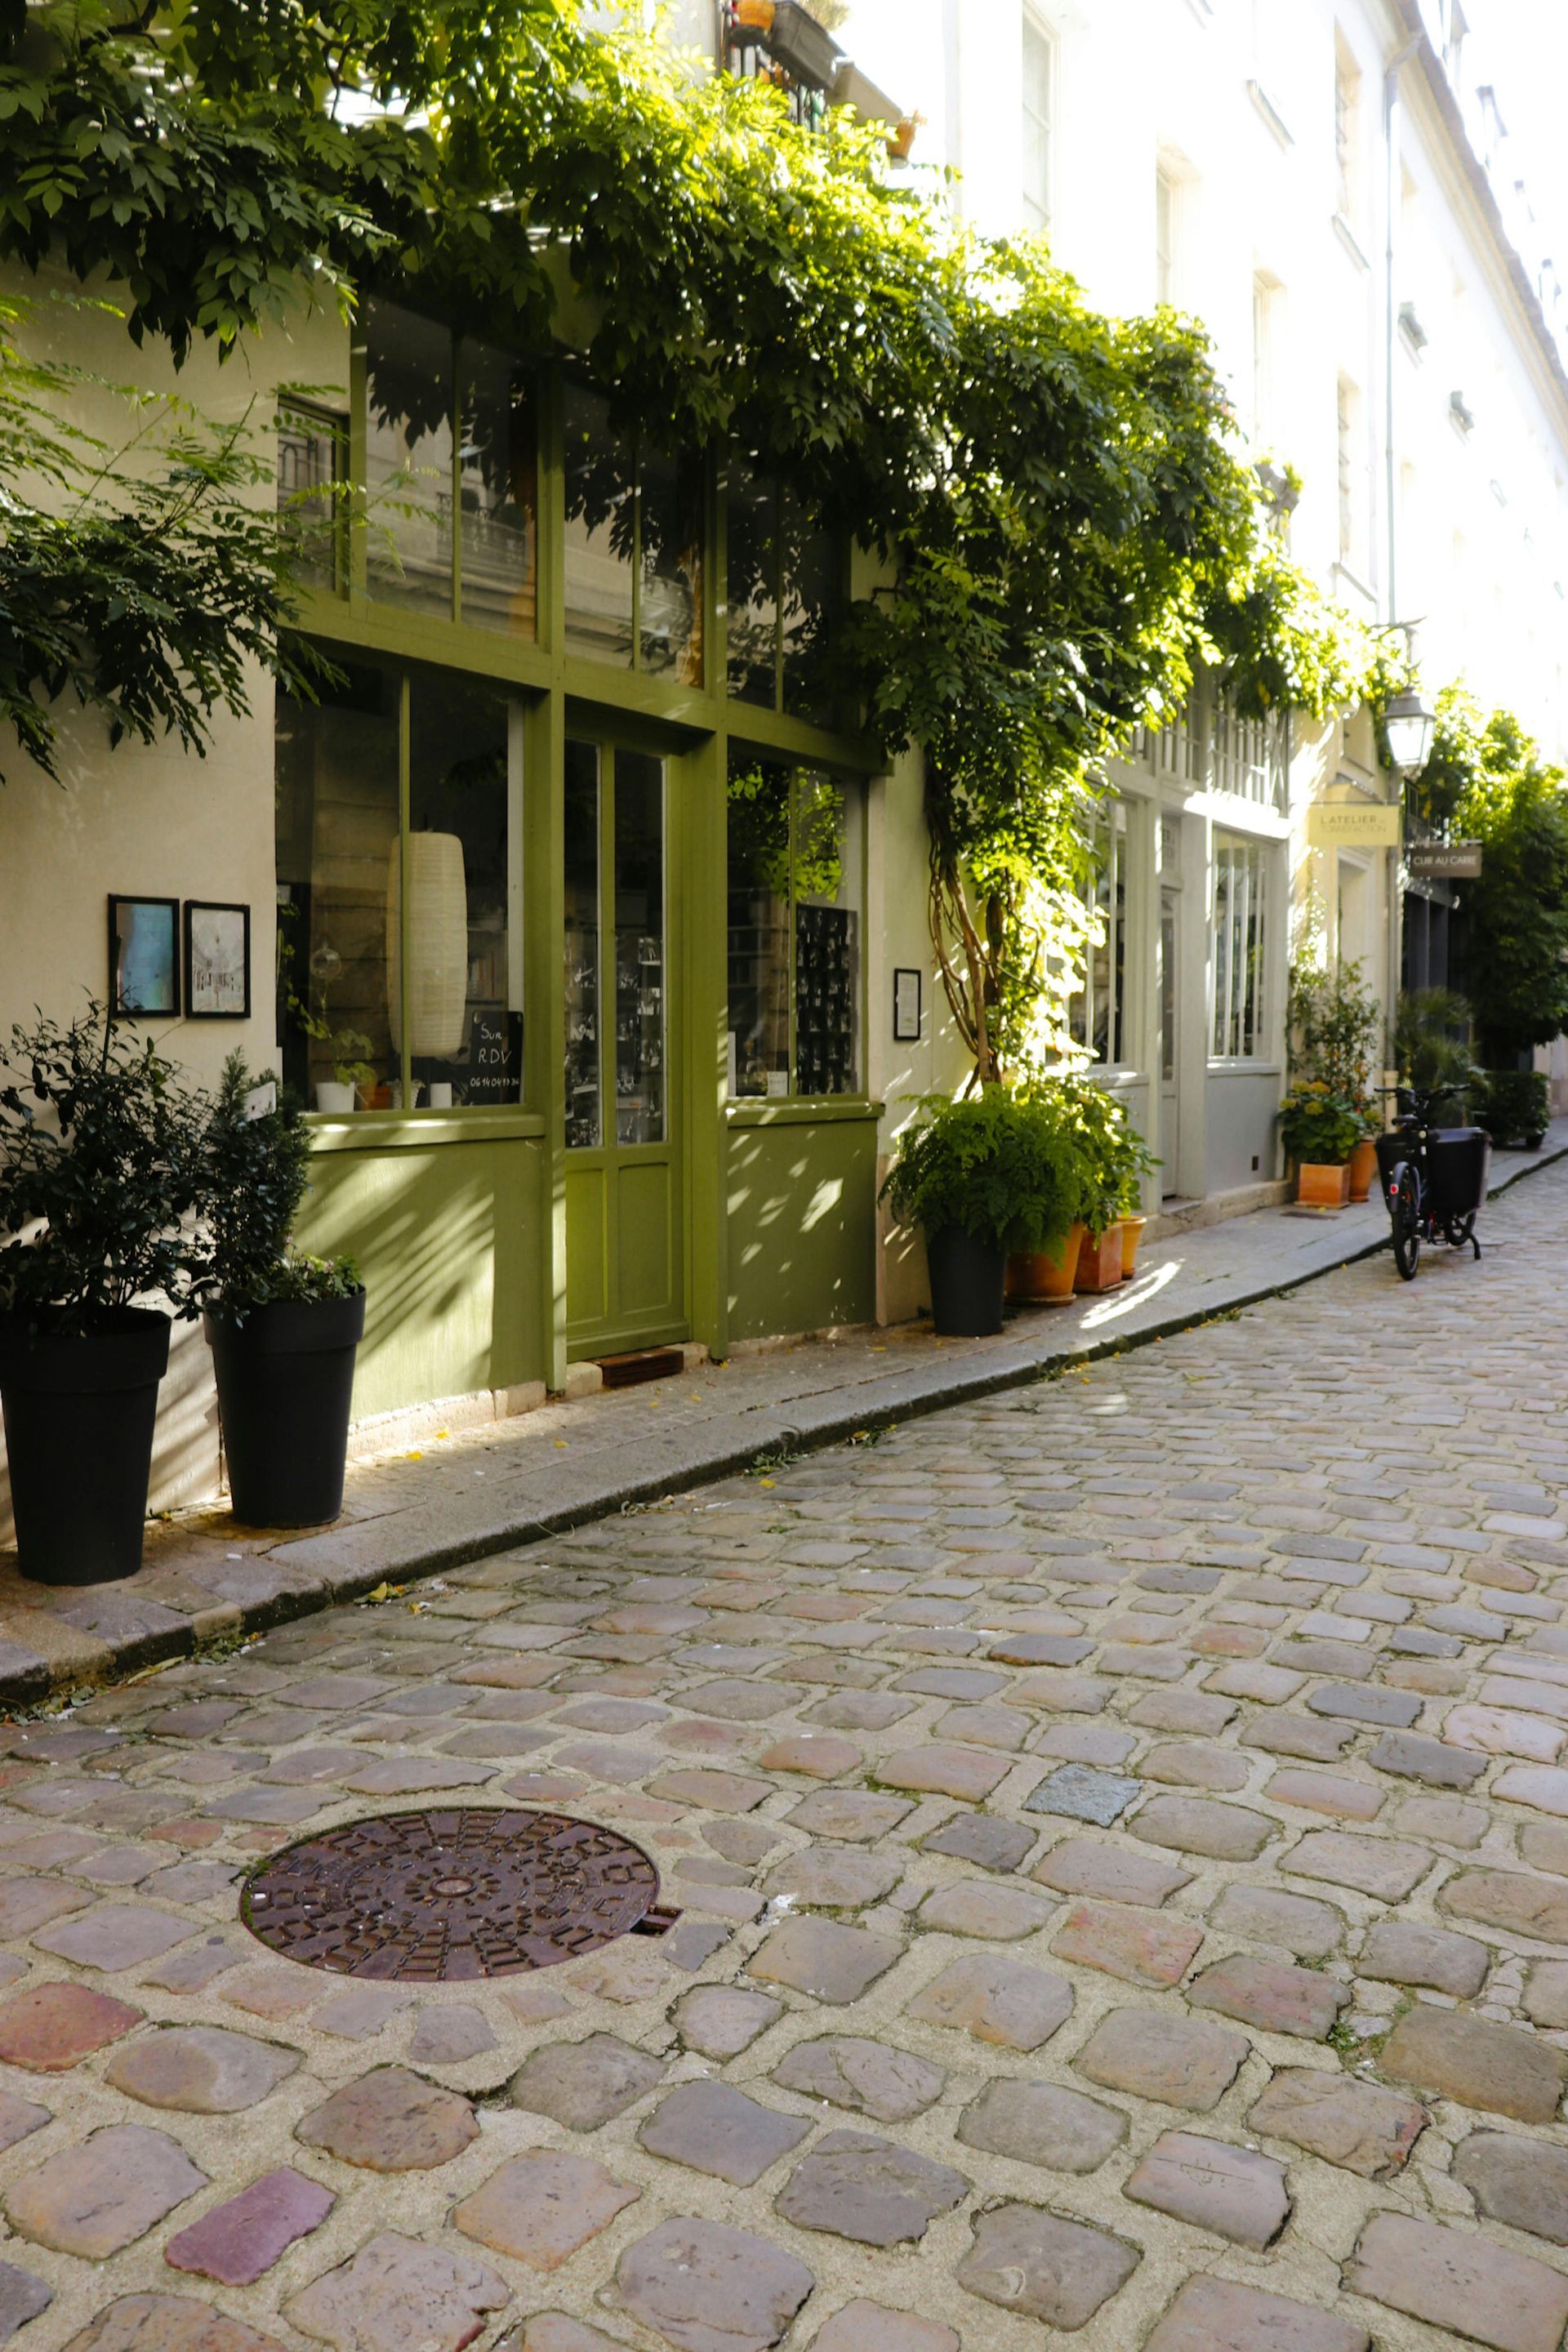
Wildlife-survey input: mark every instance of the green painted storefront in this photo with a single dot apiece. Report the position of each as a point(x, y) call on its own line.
point(633, 1114)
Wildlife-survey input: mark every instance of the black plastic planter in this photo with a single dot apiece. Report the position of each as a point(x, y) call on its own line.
point(79, 1411)
point(285, 1382)
point(967, 1278)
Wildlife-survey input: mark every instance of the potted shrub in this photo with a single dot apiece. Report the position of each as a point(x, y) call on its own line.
point(283, 1329)
point(1043, 1273)
point(99, 1155)
point(1116, 1159)
point(980, 1177)
point(1516, 1107)
point(1320, 1129)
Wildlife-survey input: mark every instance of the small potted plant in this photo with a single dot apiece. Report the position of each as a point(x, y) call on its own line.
point(100, 1165)
point(1116, 1160)
point(1515, 1107)
point(1320, 1129)
point(981, 1177)
point(283, 1329)
point(1364, 1159)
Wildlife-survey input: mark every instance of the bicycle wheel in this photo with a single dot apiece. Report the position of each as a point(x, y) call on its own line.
point(1407, 1220)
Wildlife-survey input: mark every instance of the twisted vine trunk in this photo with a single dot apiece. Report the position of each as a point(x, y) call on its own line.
point(968, 959)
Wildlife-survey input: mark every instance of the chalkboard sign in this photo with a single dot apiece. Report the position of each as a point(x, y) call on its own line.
point(489, 1067)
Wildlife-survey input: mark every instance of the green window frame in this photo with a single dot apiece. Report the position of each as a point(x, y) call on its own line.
point(795, 932)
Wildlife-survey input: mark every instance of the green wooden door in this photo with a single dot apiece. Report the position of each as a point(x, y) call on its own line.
point(625, 1277)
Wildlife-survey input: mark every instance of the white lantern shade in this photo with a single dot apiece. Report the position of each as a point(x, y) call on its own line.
point(437, 937)
point(1408, 724)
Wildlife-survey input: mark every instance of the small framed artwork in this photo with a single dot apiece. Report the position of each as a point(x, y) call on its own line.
point(218, 962)
point(144, 958)
point(907, 1006)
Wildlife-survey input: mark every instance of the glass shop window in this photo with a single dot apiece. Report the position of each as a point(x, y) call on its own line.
point(408, 460)
point(464, 986)
point(601, 532)
point(670, 567)
point(584, 1124)
point(795, 874)
point(337, 793)
point(1240, 948)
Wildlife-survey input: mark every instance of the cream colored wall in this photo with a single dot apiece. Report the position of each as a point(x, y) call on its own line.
point(151, 820)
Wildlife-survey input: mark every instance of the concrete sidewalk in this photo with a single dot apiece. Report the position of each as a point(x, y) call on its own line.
point(206, 1581)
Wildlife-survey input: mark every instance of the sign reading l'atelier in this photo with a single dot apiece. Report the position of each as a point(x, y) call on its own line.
point(1353, 824)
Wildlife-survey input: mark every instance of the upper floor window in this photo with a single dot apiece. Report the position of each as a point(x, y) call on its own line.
point(634, 547)
point(1267, 318)
point(1165, 206)
point(1347, 134)
point(1039, 100)
point(785, 583)
point(451, 474)
point(1351, 472)
point(312, 477)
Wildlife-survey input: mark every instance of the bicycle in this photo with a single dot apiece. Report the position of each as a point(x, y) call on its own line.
point(1434, 1178)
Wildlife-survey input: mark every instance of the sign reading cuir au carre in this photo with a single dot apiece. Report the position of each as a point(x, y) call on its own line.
point(1444, 861)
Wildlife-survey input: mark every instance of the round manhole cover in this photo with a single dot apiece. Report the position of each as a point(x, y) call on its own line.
point(434, 1897)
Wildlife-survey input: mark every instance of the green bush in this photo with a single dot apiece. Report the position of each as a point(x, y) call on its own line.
point(254, 1176)
point(1318, 1125)
point(101, 1169)
point(1115, 1157)
point(1008, 1169)
point(1514, 1104)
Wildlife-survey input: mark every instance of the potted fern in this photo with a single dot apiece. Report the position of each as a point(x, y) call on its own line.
point(100, 1170)
point(992, 1174)
point(283, 1328)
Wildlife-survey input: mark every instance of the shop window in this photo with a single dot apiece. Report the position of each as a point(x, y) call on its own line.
point(399, 949)
point(312, 473)
point(634, 547)
point(785, 582)
point(1095, 1013)
point(584, 1129)
point(1240, 948)
point(451, 475)
point(615, 945)
point(794, 893)
point(464, 988)
point(337, 797)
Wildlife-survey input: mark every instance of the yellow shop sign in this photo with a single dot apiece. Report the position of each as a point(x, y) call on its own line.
point(1353, 824)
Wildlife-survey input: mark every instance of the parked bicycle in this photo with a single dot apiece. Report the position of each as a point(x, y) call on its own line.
point(1434, 1178)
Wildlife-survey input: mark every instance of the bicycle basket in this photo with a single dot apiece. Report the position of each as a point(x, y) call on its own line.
point(1459, 1158)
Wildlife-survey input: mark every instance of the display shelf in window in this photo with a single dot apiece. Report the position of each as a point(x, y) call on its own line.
point(826, 1014)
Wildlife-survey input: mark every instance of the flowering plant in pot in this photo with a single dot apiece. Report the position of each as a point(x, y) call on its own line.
point(100, 1169)
point(283, 1328)
point(1319, 1128)
point(993, 1172)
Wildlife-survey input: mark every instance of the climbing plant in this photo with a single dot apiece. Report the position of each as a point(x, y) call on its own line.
point(1060, 520)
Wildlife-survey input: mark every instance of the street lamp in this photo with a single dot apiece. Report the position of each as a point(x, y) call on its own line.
point(1408, 722)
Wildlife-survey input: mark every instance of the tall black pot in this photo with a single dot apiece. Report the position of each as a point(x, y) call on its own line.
point(285, 1383)
point(967, 1277)
point(79, 1410)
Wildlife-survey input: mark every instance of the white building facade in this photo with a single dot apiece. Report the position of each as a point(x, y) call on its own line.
point(1310, 181)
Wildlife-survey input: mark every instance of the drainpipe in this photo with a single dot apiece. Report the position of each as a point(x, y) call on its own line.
point(1396, 904)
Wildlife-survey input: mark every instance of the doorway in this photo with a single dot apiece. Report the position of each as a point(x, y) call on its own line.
point(1170, 1031)
point(625, 1276)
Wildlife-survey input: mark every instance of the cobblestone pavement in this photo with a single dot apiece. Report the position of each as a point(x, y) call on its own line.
point(1122, 1860)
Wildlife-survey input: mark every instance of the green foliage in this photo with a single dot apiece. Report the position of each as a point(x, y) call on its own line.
point(1431, 1042)
point(1065, 522)
point(1335, 1022)
point(255, 1172)
point(1513, 1105)
point(1113, 1156)
point(1005, 1168)
point(1319, 1125)
point(146, 594)
point(101, 1171)
point(1518, 962)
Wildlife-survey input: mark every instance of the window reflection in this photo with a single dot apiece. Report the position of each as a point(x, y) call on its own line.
point(464, 1025)
point(670, 611)
point(584, 1123)
point(601, 532)
point(795, 892)
point(408, 459)
point(498, 485)
point(754, 614)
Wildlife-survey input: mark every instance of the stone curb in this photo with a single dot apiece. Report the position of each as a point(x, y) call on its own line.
point(727, 1444)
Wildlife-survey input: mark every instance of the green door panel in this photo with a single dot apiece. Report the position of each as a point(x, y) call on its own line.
point(645, 1239)
point(803, 1226)
point(588, 1243)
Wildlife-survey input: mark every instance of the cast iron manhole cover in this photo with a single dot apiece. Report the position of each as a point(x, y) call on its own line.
point(434, 1897)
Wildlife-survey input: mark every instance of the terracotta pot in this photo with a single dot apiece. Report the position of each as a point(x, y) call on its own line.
point(1131, 1235)
point(1100, 1260)
point(1364, 1168)
point(1322, 1187)
point(1044, 1277)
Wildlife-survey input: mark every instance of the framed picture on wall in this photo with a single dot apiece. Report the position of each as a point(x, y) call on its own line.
point(907, 1006)
point(144, 958)
point(218, 962)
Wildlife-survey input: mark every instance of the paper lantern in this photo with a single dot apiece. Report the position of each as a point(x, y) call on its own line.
point(437, 938)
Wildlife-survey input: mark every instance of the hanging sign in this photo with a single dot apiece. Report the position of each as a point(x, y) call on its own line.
point(1353, 824)
point(1444, 861)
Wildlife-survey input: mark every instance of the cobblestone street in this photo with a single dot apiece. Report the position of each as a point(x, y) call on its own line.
point(1122, 1864)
